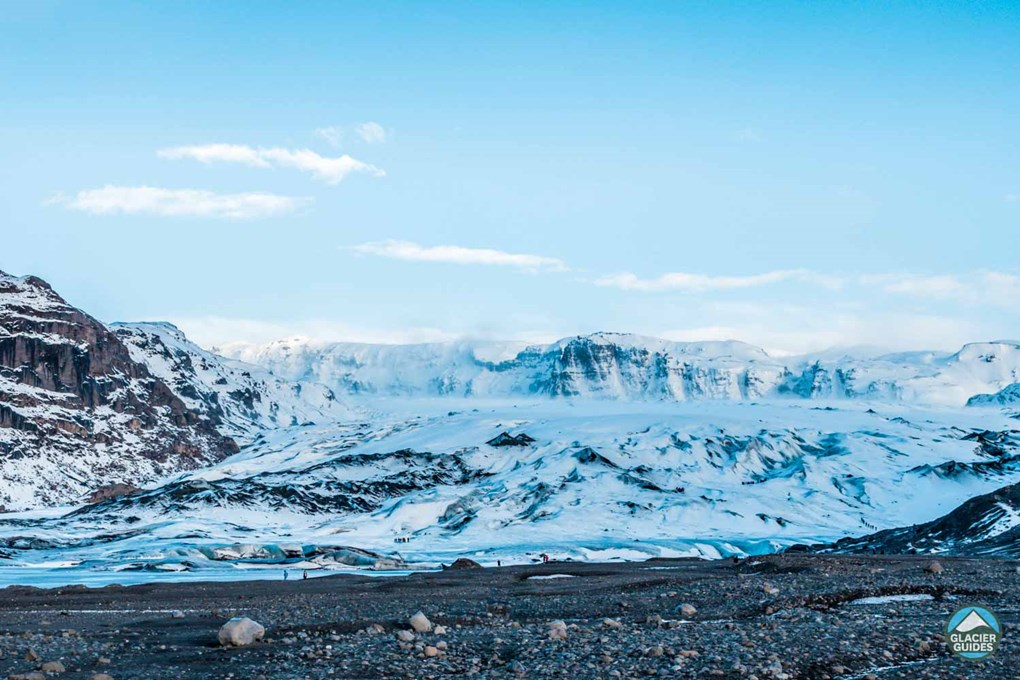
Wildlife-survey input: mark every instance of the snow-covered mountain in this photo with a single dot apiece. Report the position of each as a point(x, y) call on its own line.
point(77, 411)
point(620, 366)
point(84, 406)
point(240, 400)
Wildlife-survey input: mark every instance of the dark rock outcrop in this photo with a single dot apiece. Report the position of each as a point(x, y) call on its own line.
point(507, 439)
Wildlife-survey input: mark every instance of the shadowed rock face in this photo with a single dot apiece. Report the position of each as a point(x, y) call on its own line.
point(76, 411)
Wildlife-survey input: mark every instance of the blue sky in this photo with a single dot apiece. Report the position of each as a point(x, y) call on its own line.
point(795, 175)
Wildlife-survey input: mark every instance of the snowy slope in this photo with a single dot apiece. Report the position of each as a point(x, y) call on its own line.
point(240, 399)
point(601, 479)
point(621, 366)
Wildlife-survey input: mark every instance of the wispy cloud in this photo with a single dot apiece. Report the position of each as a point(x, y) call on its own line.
point(371, 132)
point(703, 282)
point(748, 134)
point(784, 329)
point(407, 250)
point(1001, 289)
point(144, 200)
point(324, 168)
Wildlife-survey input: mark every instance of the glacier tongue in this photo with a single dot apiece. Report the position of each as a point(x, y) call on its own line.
point(601, 479)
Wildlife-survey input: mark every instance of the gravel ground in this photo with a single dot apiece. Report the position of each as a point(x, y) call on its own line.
point(781, 616)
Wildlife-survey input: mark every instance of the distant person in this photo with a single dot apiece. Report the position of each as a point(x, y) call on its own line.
point(499, 563)
point(304, 575)
point(284, 574)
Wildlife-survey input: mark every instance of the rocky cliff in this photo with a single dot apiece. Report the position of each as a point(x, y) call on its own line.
point(77, 411)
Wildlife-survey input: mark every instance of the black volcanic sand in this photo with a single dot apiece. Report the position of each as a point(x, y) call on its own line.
point(497, 623)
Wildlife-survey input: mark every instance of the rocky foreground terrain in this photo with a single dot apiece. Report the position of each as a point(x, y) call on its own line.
point(780, 616)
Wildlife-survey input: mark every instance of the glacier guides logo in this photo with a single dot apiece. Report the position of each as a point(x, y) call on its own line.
point(973, 632)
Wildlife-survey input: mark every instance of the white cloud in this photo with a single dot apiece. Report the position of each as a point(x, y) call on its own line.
point(703, 282)
point(371, 132)
point(329, 170)
point(407, 250)
point(143, 200)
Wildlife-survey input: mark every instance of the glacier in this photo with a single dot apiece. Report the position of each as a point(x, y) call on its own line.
point(418, 486)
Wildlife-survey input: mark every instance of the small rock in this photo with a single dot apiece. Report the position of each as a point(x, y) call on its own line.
point(52, 667)
point(405, 636)
point(441, 645)
point(934, 568)
point(31, 655)
point(240, 631)
point(687, 610)
point(420, 623)
point(431, 651)
point(611, 623)
point(557, 630)
point(770, 589)
point(177, 614)
point(101, 676)
point(517, 668)
point(440, 630)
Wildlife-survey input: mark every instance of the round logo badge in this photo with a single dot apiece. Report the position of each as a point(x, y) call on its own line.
point(973, 632)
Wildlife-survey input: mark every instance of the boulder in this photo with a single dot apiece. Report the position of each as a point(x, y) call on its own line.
point(420, 623)
point(240, 631)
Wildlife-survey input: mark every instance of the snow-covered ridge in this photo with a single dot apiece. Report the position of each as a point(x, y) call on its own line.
point(240, 399)
point(623, 366)
point(1007, 396)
